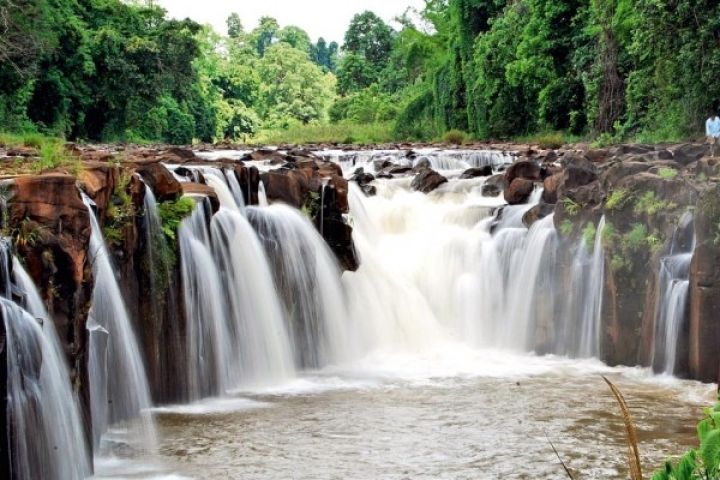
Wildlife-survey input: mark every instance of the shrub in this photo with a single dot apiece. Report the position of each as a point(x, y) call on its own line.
point(172, 213)
point(667, 173)
point(616, 199)
point(588, 234)
point(650, 204)
point(455, 137)
point(566, 228)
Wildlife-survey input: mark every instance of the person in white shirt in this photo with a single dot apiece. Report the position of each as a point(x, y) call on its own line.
point(712, 130)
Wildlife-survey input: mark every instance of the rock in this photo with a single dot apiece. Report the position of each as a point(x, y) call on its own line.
point(161, 181)
point(249, 180)
point(24, 152)
point(550, 188)
point(705, 290)
point(485, 171)
point(203, 191)
point(337, 234)
point(363, 178)
point(525, 169)
point(265, 154)
point(519, 191)
point(421, 165)
point(708, 166)
point(538, 212)
point(185, 154)
point(290, 186)
point(579, 173)
point(399, 170)
point(620, 170)
point(689, 152)
point(494, 186)
point(382, 163)
point(341, 187)
point(98, 180)
point(427, 180)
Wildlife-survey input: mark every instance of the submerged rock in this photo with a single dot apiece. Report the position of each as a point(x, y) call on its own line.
point(427, 180)
point(485, 171)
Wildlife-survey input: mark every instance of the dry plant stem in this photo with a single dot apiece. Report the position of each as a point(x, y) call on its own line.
point(567, 470)
point(632, 441)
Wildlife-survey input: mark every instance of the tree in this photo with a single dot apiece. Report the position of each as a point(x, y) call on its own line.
point(265, 34)
point(296, 37)
point(293, 87)
point(325, 55)
point(370, 37)
point(354, 74)
point(234, 26)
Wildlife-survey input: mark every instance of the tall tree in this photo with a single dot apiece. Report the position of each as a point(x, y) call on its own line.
point(370, 37)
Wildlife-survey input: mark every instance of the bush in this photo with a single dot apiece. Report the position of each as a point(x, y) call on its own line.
point(455, 137)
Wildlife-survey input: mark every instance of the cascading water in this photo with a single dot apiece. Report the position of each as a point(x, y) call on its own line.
point(308, 281)
point(46, 438)
point(236, 333)
point(672, 304)
point(119, 386)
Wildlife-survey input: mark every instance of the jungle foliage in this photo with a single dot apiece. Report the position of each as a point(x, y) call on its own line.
point(492, 69)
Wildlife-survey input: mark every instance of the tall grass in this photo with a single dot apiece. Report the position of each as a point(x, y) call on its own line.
point(51, 152)
point(345, 133)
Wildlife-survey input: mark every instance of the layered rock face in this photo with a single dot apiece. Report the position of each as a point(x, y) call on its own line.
point(643, 192)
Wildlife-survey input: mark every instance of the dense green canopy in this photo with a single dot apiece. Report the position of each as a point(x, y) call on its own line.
point(113, 70)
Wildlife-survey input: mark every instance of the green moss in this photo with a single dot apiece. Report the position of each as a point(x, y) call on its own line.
point(566, 228)
point(120, 212)
point(588, 234)
point(636, 237)
point(616, 199)
point(172, 213)
point(650, 204)
point(571, 206)
point(667, 173)
point(618, 263)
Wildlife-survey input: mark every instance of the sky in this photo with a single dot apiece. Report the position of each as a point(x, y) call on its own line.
point(320, 18)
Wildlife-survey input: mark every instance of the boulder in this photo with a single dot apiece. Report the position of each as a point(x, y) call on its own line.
point(289, 186)
point(98, 180)
point(427, 180)
point(525, 169)
point(421, 165)
point(161, 181)
point(397, 170)
point(494, 185)
point(485, 171)
point(519, 191)
point(689, 152)
point(204, 191)
point(705, 290)
point(538, 212)
point(265, 154)
point(550, 188)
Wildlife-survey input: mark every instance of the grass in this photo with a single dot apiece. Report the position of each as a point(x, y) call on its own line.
point(667, 173)
point(588, 235)
point(455, 137)
point(346, 133)
point(616, 199)
point(650, 204)
point(548, 140)
point(571, 206)
point(51, 152)
point(631, 433)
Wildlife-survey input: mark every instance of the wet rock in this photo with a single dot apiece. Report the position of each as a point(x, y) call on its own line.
point(98, 180)
point(494, 186)
point(427, 180)
point(162, 182)
point(399, 170)
point(203, 191)
point(249, 180)
point(524, 169)
point(485, 171)
point(550, 188)
point(265, 154)
point(519, 191)
point(25, 152)
point(422, 164)
point(382, 164)
point(289, 186)
point(538, 212)
point(689, 152)
point(332, 226)
point(705, 290)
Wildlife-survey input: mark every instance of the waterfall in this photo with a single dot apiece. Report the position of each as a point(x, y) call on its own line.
point(308, 281)
point(591, 297)
point(120, 389)
point(236, 332)
point(207, 341)
point(672, 303)
point(46, 438)
point(257, 329)
point(262, 195)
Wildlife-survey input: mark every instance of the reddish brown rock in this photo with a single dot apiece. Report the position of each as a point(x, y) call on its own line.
point(550, 188)
point(525, 169)
point(98, 180)
point(427, 180)
point(162, 182)
point(199, 190)
point(519, 191)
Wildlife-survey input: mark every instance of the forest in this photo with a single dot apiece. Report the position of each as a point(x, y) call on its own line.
point(606, 70)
